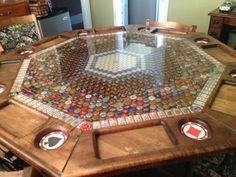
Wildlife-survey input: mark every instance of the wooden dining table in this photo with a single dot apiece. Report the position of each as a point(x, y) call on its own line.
point(105, 102)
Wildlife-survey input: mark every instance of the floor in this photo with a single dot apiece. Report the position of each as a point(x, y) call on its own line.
point(176, 170)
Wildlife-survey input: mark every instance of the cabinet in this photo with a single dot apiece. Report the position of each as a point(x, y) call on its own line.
point(220, 24)
point(215, 27)
point(11, 8)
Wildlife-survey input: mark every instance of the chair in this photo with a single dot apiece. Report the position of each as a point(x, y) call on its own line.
point(112, 29)
point(26, 172)
point(171, 26)
point(17, 32)
point(8, 168)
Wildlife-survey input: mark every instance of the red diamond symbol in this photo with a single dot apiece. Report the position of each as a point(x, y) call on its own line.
point(193, 131)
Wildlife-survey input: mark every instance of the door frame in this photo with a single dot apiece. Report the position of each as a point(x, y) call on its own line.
point(86, 13)
point(116, 13)
point(163, 8)
point(161, 11)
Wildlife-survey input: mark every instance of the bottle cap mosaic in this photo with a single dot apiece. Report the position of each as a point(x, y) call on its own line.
point(108, 79)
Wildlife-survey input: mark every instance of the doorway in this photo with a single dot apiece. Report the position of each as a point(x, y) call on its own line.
point(128, 12)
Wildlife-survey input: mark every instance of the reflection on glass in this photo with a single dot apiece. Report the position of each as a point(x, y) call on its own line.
point(121, 74)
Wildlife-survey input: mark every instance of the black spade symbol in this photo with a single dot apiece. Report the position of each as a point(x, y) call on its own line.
point(52, 141)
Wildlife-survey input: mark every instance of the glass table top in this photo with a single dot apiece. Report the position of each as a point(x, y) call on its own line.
point(105, 77)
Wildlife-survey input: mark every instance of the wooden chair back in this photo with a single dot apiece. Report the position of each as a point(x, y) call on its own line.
point(27, 172)
point(171, 25)
point(16, 32)
point(111, 29)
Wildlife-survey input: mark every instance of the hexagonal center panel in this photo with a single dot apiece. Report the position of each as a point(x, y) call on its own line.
point(116, 63)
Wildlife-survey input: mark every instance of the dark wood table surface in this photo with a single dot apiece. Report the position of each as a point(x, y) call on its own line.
point(121, 142)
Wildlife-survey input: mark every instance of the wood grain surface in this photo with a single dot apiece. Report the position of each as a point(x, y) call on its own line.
point(226, 100)
point(132, 141)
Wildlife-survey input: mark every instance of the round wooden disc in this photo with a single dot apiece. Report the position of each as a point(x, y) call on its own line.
point(53, 140)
